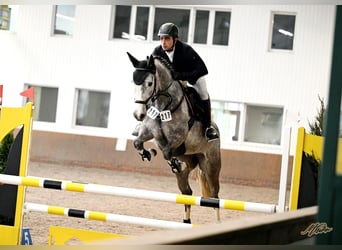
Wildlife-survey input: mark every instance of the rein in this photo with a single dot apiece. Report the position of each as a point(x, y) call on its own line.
point(167, 94)
point(164, 93)
point(156, 94)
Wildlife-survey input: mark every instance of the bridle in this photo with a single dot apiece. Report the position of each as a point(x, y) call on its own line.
point(156, 94)
point(144, 102)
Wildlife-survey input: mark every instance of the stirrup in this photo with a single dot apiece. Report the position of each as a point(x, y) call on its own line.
point(211, 134)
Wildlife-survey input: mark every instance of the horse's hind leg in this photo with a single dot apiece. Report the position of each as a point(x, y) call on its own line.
point(208, 176)
point(206, 191)
point(184, 187)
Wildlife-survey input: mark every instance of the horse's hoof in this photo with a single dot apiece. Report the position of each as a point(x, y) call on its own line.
point(188, 221)
point(175, 170)
point(145, 155)
point(176, 165)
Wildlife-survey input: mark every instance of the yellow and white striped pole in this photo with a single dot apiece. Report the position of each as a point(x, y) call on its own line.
point(101, 216)
point(138, 193)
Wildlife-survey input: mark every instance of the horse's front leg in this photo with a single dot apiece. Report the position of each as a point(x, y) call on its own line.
point(143, 136)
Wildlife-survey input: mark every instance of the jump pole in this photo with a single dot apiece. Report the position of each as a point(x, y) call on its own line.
point(105, 217)
point(40, 182)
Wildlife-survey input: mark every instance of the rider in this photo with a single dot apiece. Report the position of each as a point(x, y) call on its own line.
point(187, 66)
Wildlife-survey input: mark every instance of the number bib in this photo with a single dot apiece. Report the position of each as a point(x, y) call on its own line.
point(165, 116)
point(153, 113)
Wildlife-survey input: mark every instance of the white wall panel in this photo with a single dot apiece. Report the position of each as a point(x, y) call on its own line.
point(245, 71)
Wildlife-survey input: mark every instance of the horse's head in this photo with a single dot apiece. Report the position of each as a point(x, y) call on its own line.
point(144, 84)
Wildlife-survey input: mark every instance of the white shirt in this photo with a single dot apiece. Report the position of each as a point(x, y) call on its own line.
point(170, 53)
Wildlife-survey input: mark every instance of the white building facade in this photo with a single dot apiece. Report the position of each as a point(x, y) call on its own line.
point(268, 64)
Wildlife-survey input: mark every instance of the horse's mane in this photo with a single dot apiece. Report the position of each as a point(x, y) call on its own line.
point(164, 62)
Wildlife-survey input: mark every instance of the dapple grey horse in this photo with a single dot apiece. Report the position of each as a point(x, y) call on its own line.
point(163, 109)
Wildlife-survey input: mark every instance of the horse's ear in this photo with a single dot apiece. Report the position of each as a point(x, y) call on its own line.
point(150, 62)
point(134, 61)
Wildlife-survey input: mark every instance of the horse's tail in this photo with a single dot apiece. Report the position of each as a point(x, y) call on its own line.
point(203, 183)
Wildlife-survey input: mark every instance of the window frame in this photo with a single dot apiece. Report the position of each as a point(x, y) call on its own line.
point(74, 114)
point(5, 20)
point(191, 25)
point(240, 143)
point(270, 36)
point(194, 22)
point(213, 27)
point(132, 23)
point(187, 40)
point(129, 25)
point(265, 107)
point(53, 21)
point(37, 107)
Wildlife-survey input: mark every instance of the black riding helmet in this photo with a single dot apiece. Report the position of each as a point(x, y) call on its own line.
point(168, 29)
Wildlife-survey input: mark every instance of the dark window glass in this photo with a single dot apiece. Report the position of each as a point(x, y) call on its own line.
point(201, 26)
point(177, 16)
point(221, 28)
point(141, 23)
point(122, 20)
point(92, 108)
point(283, 31)
point(45, 102)
point(263, 124)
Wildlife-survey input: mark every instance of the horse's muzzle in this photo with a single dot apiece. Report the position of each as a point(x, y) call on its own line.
point(139, 112)
point(139, 116)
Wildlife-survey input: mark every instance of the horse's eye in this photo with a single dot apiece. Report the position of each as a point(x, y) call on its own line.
point(149, 84)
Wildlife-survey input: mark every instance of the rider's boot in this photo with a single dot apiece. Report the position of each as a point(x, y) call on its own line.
point(136, 130)
point(211, 133)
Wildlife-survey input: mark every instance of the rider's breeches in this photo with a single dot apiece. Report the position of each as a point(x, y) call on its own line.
point(201, 88)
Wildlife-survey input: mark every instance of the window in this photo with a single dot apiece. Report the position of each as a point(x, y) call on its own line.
point(122, 21)
point(8, 17)
point(92, 108)
point(141, 22)
point(180, 17)
point(5, 13)
point(263, 124)
point(210, 26)
point(221, 28)
point(283, 31)
point(45, 103)
point(201, 26)
point(227, 116)
point(64, 20)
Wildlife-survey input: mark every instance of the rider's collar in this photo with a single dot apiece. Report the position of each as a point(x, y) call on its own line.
point(170, 53)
